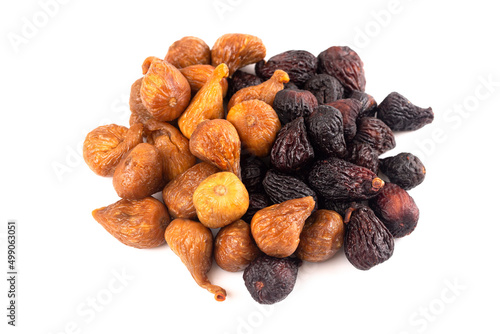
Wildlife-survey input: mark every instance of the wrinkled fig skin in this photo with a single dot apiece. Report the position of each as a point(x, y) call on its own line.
point(139, 113)
point(368, 103)
point(345, 65)
point(300, 66)
point(242, 80)
point(106, 145)
point(257, 201)
point(198, 75)
point(139, 224)
point(188, 51)
point(367, 241)
point(326, 130)
point(281, 187)
point(396, 209)
point(339, 180)
point(376, 133)
point(253, 171)
point(363, 155)
point(405, 169)
point(234, 247)
point(401, 115)
point(140, 173)
point(290, 104)
point(193, 243)
point(270, 280)
point(322, 236)
point(325, 88)
point(350, 112)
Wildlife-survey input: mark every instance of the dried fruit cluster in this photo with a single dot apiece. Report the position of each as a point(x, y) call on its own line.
point(288, 172)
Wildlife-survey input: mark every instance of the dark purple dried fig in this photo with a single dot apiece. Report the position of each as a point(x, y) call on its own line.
point(401, 115)
point(405, 169)
point(281, 187)
point(292, 103)
point(339, 180)
point(300, 66)
point(396, 209)
point(326, 130)
point(367, 241)
point(350, 110)
point(253, 171)
point(325, 87)
point(363, 155)
point(292, 150)
point(376, 133)
point(368, 103)
point(257, 201)
point(345, 65)
point(241, 80)
point(269, 279)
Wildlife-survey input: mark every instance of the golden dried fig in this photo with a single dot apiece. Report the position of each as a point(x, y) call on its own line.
point(188, 51)
point(140, 173)
point(139, 113)
point(164, 91)
point(106, 145)
point(322, 236)
point(220, 199)
point(198, 75)
point(237, 51)
point(266, 91)
point(217, 142)
point(178, 193)
point(193, 243)
point(173, 147)
point(276, 229)
point(257, 124)
point(208, 103)
point(234, 247)
point(139, 224)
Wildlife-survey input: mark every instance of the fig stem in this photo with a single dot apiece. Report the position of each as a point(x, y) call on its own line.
point(348, 214)
point(377, 183)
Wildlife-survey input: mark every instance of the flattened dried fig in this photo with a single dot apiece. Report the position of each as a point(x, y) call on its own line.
point(165, 92)
point(193, 243)
point(345, 65)
point(234, 247)
point(139, 224)
point(188, 51)
point(276, 229)
point(106, 145)
point(198, 75)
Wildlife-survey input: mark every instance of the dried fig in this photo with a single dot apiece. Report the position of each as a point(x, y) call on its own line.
point(241, 80)
point(257, 125)
point(253, 171)
point(234, 247)
point(135, 223)
point(292, 103)
point(106, 145)
point(165, 92)
point(345, 65)
point(198, 75)
point(299, 64)
point(193, 243)
point(368, 103)
point(325, 88)
point(376, 133)
point(139, 113)
point(326, 130)
point(350, 109)
point(401, 115)
point(404, 169)
point(220, 199)
point(276, 229)
point(188, 51)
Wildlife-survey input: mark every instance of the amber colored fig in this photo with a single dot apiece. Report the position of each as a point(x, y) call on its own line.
point(276, 229)
point(193, 243)
point(139, 224)
point(178, 193)
point(139, 113)
point(173, 146)
point(237, 51)
point(140, 173)
point(234, 247)
point(165, 92)
point(208, 103)
point(197, 76)
point(322, 236)
point(257, 124)
point(106, 145)
point(266, 91)
point(188, 51)
point(217, 142)
point(220, 199)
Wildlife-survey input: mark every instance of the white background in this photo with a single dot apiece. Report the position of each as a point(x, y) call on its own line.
point(74, 73)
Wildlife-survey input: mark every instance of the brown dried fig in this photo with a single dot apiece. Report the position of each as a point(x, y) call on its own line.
point(178, 193)
point(220, 199)
point(193, 243)
point(139, 224)
point(257, 124)
point(234, 247)
point(237, 51)
point(198, 75)
point(188, 51)
point(217, 142)
point(165, 92)
point(266, 91)
point(208, 103)
point(139, 174)
point(139, 113)
point(322, 236)
point(276, 229)
point(106, 145)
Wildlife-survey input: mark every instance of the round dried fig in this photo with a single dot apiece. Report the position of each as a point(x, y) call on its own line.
point(188, 51)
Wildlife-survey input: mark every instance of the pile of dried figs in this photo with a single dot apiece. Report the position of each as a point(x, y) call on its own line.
point(260, 168)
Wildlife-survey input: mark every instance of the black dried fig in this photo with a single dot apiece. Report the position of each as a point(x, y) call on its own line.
point(292, 103)
point(253, 171)
point(300, 66)
point(368, 103)
point(404, 169)
point(363, 155)
point(344, 64)
point(401, 115)
point(350, 110)
point(376, 133)
point(257, 201)
point(241, 80)
point(326, 130)
point(281, 187)
point(325, 87)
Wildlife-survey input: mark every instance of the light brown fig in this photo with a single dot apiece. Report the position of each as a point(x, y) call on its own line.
point(198, 75)
point(188, 51)
point(193, 243)
point(139, 113)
